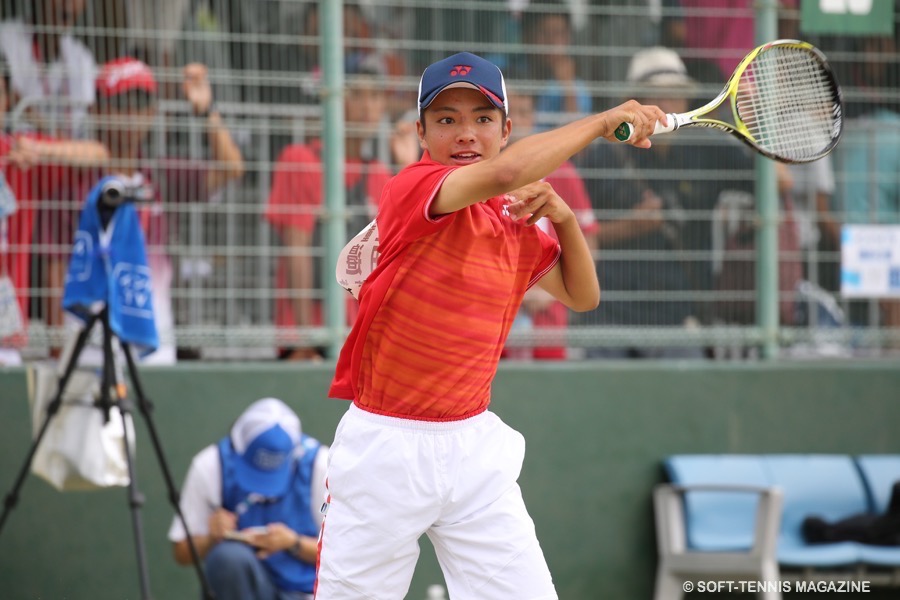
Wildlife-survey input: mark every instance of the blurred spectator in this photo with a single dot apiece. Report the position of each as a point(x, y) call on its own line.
point(540, 311)
point(154, 27)
point(811, 192)
point(869, 155)
point(714, 35)
point(29, 172)
point(358, 42)
point(126, 104)
point(607, 39)
point(296, 204)
point(735, 229)
point(49, 68)
point(655, 212)
point(489, 21)
point(405, 145)
point(251, 503)
point(361, 46)
point(229, 36)
point(242, 30)
point(547, 57)
point(51, 87)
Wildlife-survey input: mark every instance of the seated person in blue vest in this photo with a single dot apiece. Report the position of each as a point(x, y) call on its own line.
point(251, 503)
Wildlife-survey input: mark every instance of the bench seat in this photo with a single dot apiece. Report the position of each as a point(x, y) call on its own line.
point(742, 514)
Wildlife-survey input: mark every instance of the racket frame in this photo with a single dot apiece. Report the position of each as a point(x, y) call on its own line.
point(694, 118)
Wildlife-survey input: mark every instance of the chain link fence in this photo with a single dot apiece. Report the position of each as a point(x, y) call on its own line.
point(672, 229)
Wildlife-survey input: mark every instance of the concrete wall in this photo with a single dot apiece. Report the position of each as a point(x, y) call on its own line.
point(596, 434)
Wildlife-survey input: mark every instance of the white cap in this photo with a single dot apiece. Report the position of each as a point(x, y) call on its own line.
point(658, 66)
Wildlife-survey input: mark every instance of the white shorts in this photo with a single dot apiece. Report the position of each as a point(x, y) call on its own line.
point(391, 480)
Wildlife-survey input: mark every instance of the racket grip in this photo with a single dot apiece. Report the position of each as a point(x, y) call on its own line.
point(625, 130)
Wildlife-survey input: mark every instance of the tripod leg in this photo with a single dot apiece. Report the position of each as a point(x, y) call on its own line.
point(146, 409)
point(135, 498)
point(135, 502)
point(13, 497)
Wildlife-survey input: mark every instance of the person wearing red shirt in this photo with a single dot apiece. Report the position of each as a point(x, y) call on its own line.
point(127, 94)
point(540, 311)
point(31, 167)
point(418, 451)
point(295, 206)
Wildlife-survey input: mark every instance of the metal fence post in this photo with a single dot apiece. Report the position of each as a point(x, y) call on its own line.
point(332, 49)
point(765, 30)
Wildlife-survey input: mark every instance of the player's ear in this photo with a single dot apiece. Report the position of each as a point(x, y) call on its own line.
point(420, 131)
point(505, 133)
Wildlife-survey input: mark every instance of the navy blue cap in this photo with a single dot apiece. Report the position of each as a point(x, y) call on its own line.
point(463, 70)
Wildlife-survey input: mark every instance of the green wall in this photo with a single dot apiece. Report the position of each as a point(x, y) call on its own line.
point(596, 433)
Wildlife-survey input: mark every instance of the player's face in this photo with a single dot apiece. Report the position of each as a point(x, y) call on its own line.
point(462, 127)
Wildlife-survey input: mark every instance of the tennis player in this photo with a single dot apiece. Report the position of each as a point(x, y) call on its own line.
point(418, 451)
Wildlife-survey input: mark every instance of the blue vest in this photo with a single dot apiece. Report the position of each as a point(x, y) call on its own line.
point(293, 509)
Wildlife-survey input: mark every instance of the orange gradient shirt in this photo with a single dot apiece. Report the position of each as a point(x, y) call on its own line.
point(435, 313)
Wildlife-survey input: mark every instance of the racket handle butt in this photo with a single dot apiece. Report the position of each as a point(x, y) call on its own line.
point(625, 130)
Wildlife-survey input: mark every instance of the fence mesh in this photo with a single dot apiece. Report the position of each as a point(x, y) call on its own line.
point(227, 138)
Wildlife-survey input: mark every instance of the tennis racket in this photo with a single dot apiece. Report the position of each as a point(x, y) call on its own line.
point(785, 101)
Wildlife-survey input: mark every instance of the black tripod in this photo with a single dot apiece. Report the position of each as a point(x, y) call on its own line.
point(108, 383)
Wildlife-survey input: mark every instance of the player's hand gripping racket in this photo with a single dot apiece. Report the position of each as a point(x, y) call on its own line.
point(785, 101)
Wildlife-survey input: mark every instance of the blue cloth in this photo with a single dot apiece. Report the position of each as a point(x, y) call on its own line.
point(293, 509)
point(109, 265)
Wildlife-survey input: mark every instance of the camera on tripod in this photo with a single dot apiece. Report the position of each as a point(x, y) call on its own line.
point(116, 192)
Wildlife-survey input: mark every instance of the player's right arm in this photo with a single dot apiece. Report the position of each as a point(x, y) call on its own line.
point(536, 156)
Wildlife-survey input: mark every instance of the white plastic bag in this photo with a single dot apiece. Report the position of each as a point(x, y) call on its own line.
point(79, 451)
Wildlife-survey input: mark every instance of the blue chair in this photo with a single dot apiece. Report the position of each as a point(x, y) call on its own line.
point(879, 473)
point(824, 485)
point(718, 518)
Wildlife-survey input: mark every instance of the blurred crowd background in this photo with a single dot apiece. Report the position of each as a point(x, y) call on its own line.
point(237, 175)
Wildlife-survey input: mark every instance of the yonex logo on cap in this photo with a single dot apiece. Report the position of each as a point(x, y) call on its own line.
point(460, 70)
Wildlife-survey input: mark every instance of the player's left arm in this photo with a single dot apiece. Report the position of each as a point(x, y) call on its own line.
point(573, 280)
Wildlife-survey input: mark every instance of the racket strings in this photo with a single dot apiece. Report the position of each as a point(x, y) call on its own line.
point(787, 100)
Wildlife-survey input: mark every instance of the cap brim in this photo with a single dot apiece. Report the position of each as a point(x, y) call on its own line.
point(426, 102)
point(272, 483)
